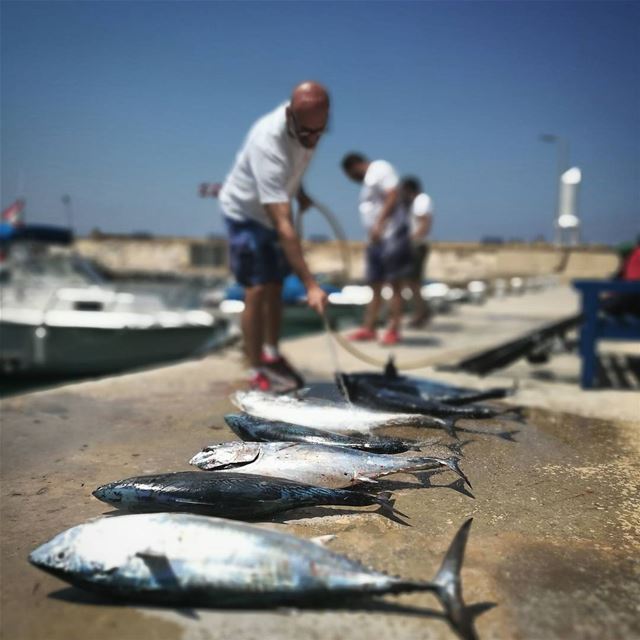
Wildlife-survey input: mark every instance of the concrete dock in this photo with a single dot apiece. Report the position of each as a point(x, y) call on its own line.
point(556, 508)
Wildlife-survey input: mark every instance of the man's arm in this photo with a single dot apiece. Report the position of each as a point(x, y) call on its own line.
point(304, 201)
point(280, 215)
point(390, 201)
point(423, 228)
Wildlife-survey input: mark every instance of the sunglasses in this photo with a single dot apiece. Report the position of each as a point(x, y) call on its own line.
point(305, 132)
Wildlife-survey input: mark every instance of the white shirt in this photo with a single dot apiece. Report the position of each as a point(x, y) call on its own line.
point(378, 180)
point(268, 169)
point(421, 206)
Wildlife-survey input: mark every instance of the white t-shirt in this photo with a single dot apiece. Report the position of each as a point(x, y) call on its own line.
point(379, 178)
point(268, 169)
point(421, 206)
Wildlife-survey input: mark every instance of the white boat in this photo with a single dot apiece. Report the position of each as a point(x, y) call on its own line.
point(59, 317)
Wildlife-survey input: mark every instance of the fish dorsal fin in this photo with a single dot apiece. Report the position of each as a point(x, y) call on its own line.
point(390, 370)
point(322, 541)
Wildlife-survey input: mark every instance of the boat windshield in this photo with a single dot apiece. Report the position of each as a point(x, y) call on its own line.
point(42, 267)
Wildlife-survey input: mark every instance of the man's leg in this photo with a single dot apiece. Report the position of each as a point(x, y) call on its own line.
point(252, 323)
point(373, 308)
point(374, 277)
point(257, 320)
point(272, 313)
point(420, 311)
point(272, 359)
point(395, 315)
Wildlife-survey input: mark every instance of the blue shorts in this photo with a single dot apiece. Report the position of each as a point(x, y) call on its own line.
point(389, 260)
point(255, 254)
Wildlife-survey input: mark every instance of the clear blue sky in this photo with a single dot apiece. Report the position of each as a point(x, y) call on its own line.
point(127, 106)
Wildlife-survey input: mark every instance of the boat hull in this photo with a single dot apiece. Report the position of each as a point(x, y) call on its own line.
point(43, 350)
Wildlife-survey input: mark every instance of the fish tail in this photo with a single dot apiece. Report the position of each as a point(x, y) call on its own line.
point(516, 414)
point(387, 506)
point(452, 463)
point(447, 585)
point(449, 425)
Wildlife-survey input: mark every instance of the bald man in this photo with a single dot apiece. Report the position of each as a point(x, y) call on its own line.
point(263, 244)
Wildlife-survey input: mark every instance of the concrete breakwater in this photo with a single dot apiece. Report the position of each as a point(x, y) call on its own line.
point(451, 262)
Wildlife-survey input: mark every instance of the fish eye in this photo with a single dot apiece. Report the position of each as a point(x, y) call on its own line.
point(60, 555)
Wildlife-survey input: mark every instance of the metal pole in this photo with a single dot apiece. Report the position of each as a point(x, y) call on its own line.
point(558, 230)
point(66, 201)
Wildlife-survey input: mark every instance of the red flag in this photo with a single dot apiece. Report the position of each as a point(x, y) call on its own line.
point(209, 189)
point(14, 213)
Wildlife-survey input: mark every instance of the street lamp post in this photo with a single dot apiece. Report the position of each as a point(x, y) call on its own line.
point(563, 165)
point(68, 209)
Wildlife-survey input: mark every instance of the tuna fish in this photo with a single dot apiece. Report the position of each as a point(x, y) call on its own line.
point(190, 560)
point(314, 464)
point(254, 429)
point(330, 416)
point(228, 494)
point(365, 394)
point(431, 390)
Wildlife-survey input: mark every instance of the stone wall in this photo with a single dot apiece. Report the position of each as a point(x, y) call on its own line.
point(449, 261)
point(163, 255)
point(461, 262)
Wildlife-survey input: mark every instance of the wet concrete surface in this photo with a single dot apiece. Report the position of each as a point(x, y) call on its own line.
point(554, 543)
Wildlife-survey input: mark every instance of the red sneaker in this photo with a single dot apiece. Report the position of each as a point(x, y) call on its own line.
point(267, 379)
point(362, 335)
point(281, 366)
point(391, 337)
point(260, 382)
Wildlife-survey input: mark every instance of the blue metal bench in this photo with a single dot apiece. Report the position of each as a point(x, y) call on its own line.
point(597, 325)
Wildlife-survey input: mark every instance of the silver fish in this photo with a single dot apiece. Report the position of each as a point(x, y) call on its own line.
point(330, 416)
point(252, 429)
point(315, 464)
point(190, 560)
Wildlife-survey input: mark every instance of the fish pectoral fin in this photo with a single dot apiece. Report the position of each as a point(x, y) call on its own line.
point(159, 566)
point(322, 540)
point(364, 479)
point(158, 563)
point(187, 501)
